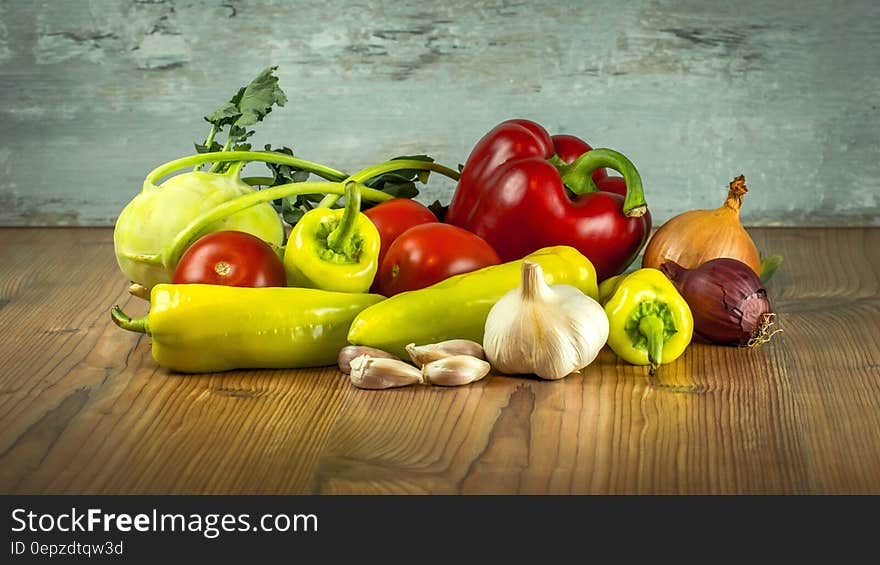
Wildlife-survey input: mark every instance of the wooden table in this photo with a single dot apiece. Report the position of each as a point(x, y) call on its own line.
point(84, 408)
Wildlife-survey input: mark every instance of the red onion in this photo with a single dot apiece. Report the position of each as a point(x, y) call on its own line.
point(728, 301)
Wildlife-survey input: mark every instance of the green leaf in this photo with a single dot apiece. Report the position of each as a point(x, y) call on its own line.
point(438, 209)
point(769, 266)
point(247, 107)
point(202, 148)
point(292, 208)
point(225, 114)
point(402, 183)
point(259, 96)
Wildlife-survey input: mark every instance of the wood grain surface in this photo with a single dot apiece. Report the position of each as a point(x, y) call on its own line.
point(85, 409)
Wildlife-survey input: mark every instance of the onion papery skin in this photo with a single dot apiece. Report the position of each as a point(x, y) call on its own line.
point(697, 236)
point(728, 301)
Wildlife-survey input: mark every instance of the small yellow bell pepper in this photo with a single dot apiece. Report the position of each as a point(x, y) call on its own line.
point(334, 250)
point(457, 308)
point(650, 322)
point(202, 328)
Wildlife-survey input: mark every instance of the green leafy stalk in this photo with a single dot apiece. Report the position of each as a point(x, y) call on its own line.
point(396, 177)
point(294, 207)
point(246, 108)
point(161, 171)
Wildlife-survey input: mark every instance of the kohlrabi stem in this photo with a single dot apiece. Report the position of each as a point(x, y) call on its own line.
point(172, 252)
point(234, 169)
point(208, 141)
point(339, 237)
point(125, 322)
point(388, 167)
point(257, 181)
point(246, 156)
point(652, 328)
point(216, 166)
point(578, 177)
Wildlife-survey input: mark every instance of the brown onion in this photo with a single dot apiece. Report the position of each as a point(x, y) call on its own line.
point(728, 301)
point(694, 237)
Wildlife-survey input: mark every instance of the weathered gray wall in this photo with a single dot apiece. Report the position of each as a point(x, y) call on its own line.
point(93, 94)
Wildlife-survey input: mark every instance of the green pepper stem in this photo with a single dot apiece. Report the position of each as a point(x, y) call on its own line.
point(578, 177)
point(124, 321)
point(389, 167)
point(340, 236)
point(244, 156)
point(652, 328)
point(172, 252)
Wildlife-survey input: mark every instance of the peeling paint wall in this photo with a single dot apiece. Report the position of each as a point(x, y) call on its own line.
point(96, 93)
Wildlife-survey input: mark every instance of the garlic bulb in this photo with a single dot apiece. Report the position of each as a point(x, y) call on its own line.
point(550, 331)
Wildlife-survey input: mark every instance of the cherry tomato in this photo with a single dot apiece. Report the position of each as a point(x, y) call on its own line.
point(428, 253)
point(395, 216)
point(231, 258)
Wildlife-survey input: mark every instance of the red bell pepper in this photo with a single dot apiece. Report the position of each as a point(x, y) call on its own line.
point(519, 192)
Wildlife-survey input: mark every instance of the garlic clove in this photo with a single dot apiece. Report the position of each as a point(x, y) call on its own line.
point(380, 373)
point(349, 352)
point(455, 370)
point(421, 354)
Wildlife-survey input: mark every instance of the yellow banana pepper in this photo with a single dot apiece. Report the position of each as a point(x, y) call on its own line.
point(201, 328)
point(650, 322)
point(457, 307)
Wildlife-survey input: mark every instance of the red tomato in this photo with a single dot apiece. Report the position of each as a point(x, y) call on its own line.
point(231, 258)
point(395, 216)
point(427, 254)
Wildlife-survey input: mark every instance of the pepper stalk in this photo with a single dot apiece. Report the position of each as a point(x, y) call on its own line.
point(578, 177)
